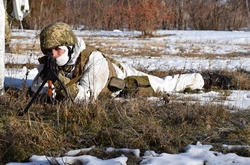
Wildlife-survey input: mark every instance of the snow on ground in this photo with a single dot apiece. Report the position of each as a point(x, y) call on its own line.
point(169, 44)
point(194, 155)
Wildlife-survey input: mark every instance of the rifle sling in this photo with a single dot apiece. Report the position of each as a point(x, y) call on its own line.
point(74, 80)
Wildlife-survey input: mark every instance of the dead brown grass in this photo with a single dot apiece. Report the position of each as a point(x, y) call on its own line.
point(136, 123)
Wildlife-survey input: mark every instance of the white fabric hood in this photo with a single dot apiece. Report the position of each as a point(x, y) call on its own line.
point(79, 47)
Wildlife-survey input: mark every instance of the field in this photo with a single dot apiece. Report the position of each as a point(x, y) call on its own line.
point(163, 123)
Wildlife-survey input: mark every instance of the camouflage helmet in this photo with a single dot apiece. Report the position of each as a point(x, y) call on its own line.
point(57, 34)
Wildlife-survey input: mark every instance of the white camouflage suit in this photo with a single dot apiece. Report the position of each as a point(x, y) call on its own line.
point(96, 75)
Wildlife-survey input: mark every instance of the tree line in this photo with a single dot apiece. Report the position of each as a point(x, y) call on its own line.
point(142, 15)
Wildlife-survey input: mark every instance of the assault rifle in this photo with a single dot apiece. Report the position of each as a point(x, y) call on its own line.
point(49, 72)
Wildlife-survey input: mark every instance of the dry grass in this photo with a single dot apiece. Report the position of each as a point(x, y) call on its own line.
point(137, 123)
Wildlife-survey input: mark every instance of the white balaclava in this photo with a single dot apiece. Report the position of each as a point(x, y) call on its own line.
point(70, 58)
point(65, 57)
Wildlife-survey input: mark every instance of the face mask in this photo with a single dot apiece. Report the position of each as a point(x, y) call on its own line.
point(64, 58)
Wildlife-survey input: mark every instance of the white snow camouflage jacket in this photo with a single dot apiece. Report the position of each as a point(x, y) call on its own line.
point(96, 74)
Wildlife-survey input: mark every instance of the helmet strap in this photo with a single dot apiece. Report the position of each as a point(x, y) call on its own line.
point(70, 52)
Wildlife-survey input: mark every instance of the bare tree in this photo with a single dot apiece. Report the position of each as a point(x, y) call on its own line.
point(248, 14)
point(2, 47)
point(143, 15)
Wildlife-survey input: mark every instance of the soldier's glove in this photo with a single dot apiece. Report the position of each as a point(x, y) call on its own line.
point(45, 71)
point(54, 75)
point(50, 69)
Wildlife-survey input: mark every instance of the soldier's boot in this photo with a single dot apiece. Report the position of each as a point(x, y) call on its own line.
point(215, 80)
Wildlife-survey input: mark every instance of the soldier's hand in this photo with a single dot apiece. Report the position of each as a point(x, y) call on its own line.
point(54, 75)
